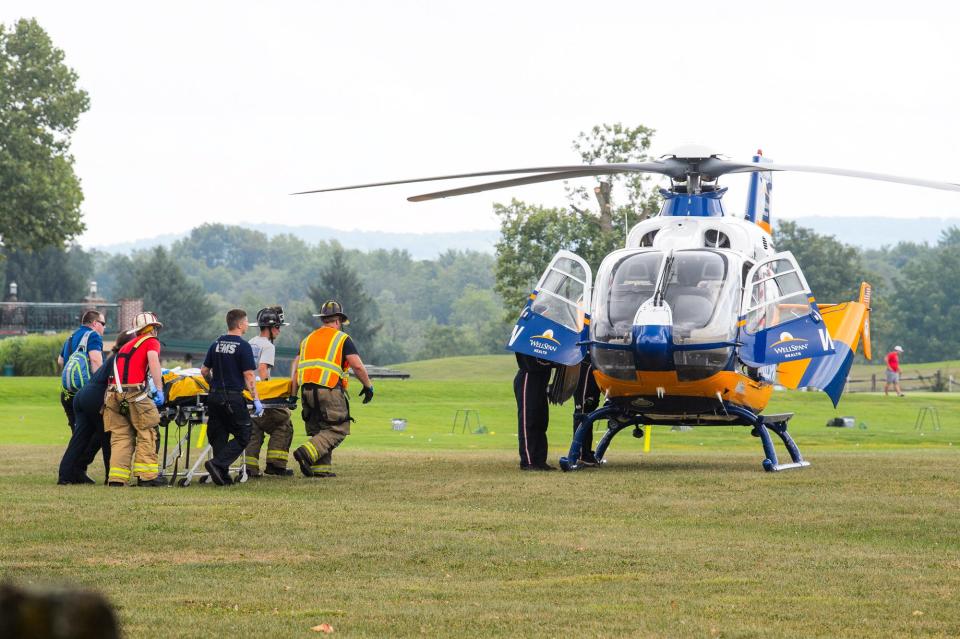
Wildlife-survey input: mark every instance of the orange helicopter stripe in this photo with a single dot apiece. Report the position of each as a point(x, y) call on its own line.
point(754, 395)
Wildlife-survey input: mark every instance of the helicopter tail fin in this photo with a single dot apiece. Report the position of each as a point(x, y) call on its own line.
point(847, 324)
point(758, 198)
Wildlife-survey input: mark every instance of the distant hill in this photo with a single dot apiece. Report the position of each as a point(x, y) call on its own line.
point(864, 232)
point(421, 246)
point(874, 232)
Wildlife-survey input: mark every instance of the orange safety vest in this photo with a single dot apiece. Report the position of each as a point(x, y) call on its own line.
point(321, 358)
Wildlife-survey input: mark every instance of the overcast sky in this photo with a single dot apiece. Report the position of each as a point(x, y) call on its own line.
point(216, 111)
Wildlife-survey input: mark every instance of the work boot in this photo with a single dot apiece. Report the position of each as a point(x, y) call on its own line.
point(84, 479)
point(543, 466)
point(303, 458)
point(150, 483)
point(324, 473)
point(217, 474)
point(116, 484)
point(588, 458)
point(64, 482)
point(271, 469)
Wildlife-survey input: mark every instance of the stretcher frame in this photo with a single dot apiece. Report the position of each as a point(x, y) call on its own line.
point(192, 414)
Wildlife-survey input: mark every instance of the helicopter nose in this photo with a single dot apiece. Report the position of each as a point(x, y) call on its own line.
point(653, 338)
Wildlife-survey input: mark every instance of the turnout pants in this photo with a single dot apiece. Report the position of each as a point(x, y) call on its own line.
point(326, 413)
point(134, 434)
point(586, 399)
point(533, 415)
point(228, 415)
point(276, 423)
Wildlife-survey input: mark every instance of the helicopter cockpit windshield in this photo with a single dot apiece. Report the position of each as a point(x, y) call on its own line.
point(701, 287)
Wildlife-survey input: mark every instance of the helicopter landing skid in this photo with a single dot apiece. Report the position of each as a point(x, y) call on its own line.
point(762, 425)
point(618, 421)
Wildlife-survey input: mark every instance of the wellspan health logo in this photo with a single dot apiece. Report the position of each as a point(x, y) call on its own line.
point(789, 346)
point(545, 342)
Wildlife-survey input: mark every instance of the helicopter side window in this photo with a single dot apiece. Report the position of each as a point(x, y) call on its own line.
point(777, 296)
point(560, 293)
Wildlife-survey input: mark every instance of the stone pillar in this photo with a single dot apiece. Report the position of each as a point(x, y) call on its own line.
point(129, 309)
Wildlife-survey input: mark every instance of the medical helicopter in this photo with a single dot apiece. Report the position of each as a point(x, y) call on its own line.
point(697, 317)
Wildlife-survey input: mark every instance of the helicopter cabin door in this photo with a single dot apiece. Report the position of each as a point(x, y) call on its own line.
point(779, 319)
point(557, 313)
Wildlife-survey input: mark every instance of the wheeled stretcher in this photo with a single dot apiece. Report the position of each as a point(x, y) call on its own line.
point(185, 409)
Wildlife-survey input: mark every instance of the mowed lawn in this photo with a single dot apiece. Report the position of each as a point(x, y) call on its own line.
point(428, 532)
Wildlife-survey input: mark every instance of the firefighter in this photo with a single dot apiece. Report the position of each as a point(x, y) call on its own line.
point(275, 421)
point(533, 413)
point(130, 414)
point(320, 370)
point(229, 367)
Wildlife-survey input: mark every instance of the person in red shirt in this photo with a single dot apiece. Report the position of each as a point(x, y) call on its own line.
point(893, 371)
point(130, 413)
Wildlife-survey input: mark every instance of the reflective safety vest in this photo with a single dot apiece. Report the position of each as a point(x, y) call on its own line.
point(321, 354)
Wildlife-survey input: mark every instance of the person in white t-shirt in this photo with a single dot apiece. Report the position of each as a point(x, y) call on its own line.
point(275, 421)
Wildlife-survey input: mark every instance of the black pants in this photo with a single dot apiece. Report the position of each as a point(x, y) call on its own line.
point(87, 438)
point(533, 415)
point(586, 399)
point(67, 402)
point(227, 416)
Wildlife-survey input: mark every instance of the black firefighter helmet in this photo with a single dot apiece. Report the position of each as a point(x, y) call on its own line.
point(271, 317)
point(332, 308)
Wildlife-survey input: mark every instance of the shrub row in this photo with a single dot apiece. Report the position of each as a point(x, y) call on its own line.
point(32, 355)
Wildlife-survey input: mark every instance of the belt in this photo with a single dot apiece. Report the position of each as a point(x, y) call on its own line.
point(127, 387)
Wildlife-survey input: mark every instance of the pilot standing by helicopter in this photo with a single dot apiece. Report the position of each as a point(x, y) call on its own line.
point(533, 412)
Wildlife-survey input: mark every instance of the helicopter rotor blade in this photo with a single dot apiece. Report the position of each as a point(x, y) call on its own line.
point(666, 168)
point(503, 184)
point(866, 175)
point(715, 167)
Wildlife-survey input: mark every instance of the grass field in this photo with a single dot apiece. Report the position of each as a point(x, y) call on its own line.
point(426, 532)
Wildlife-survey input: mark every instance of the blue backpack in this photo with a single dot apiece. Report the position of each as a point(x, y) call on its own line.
point(76, 370)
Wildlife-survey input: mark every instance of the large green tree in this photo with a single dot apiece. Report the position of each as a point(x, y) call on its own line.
point(592, 225)
point(179, 302)
point(40, 105)
point(925, 314)
point(833, 269)
point(232, 247)
point(50, 274)
point(339, 281)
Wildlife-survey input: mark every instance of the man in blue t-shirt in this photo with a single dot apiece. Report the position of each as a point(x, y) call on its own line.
point(229, 367)
point(91, 322)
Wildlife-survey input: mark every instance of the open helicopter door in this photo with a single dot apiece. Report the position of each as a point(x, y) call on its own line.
point(556, 317)
point(779, 319)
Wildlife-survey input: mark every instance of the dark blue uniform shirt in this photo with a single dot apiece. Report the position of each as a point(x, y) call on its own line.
point(228, 358)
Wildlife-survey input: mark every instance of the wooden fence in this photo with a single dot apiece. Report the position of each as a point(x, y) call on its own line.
point(939, 381)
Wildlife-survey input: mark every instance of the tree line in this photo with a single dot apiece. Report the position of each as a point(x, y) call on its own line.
point(401, 309)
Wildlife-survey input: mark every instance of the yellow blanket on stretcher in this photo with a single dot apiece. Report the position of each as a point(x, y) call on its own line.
point(178, 388)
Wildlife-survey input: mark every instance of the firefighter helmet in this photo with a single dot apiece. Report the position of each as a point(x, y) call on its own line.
point(332, 308)
point(271, 317)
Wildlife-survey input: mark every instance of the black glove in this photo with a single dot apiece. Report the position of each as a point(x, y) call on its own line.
point(367, 394)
